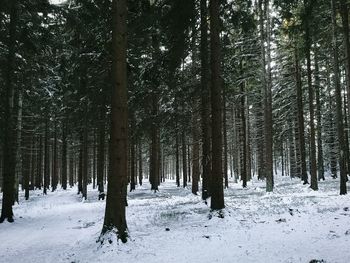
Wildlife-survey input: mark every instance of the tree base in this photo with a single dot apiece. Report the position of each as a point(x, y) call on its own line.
point(9, 219)
point(110, 235)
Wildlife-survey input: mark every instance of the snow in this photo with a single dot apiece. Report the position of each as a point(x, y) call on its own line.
point(293, 224)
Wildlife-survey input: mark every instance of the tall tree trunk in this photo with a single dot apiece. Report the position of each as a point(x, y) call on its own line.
point(268, 109)
point(216, 188)
point(132, 158)
point(9, 148)
point(243, 134)
point(117, 177)
point(338, 99)
point(154, 166)
point(262, 103)
point(320, 167)
point(344, 10)
point(224, 117)
point(301, 136)
point(313, 169)
point(205, 102)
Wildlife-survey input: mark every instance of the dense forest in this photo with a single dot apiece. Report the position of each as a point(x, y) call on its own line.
point(201, 93)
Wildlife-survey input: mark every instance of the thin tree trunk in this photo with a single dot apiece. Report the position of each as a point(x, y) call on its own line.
point(205, 102)
point(54, 180)
point(195, 151)
point(140, 163)
point(64, 156)
point(177, 160)
point(320, 167)
point(225, 170)
point(184, 158)
point(268, 110)
point(46, 156)
point(101, 155)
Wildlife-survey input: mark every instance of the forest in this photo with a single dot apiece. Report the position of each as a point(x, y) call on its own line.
point(143, 128)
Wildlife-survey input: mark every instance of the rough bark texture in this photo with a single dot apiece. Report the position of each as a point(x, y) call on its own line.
point(9, 165)
point(117, 177)
point(217, 192)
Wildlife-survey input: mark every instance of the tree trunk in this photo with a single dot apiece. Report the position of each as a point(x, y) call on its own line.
point(64, 156)
point(313, 167)
point(224, 117)
point(205, 102)
point(117, 177)
point(46, 156)
point(101, 155)
point(268, 110)
point(85, 161)
point(177, 160)
point(39, 175)
point(243, 134)
point(54, 180)
point(338, 99)
point(320, 167)
point(301, 128)
point(81, 164)
point(140, 163)
point(154, 166)
point(184, 158)
point(216, 189)
point(195, 151)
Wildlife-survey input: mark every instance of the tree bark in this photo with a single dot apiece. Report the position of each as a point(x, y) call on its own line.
point(301, 128)
point(205, 102)
point(117, 177)
point(338, 99)
point(313, 167)
point(320, 167)
point(216, 189)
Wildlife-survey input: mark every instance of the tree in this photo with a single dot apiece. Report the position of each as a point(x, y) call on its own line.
point(117, 178)
point(338, 99)
point(10, 124)
point(217, 191)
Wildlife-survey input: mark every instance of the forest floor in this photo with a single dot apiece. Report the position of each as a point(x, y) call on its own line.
point(293, 224)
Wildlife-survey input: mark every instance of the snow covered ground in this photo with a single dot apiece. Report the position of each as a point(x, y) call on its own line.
point(293, 224)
